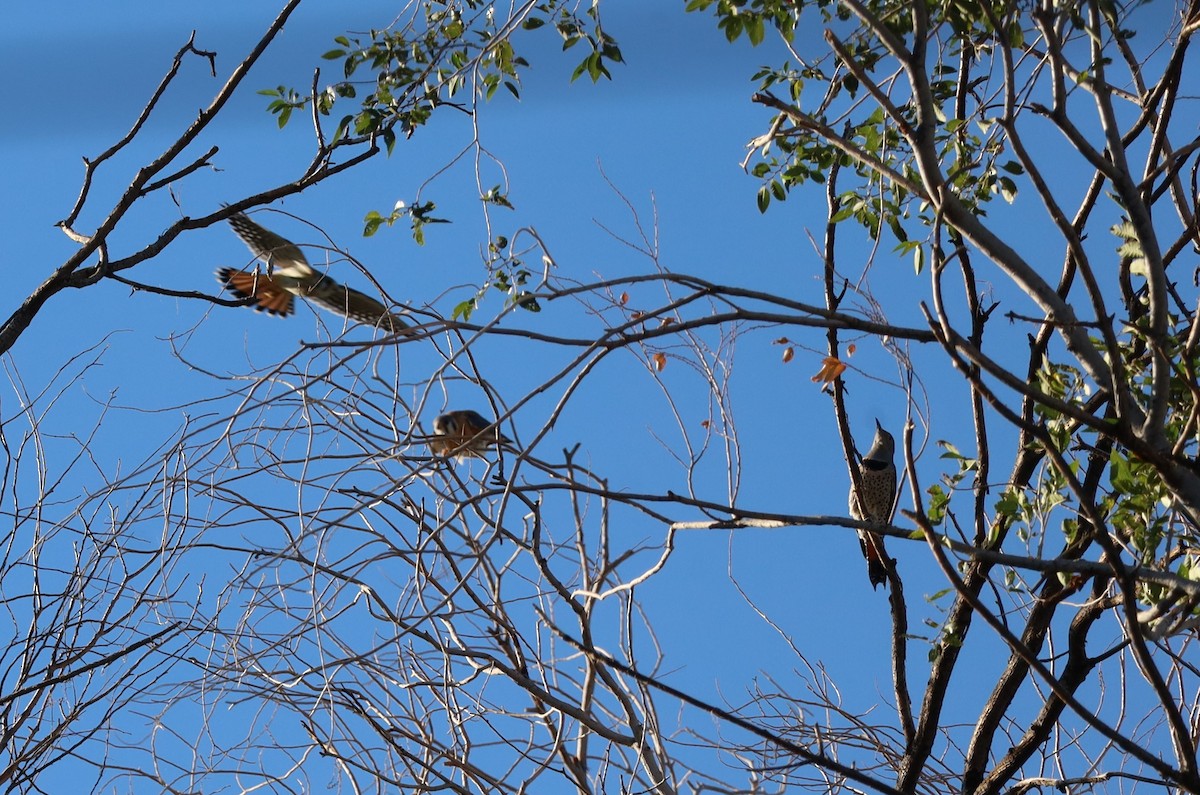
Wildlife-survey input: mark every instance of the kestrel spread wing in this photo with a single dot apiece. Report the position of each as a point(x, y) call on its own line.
point(289, 274)
point(282, 256)
point(351, 303)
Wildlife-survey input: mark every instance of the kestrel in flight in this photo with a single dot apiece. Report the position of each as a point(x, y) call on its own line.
point(289, 274)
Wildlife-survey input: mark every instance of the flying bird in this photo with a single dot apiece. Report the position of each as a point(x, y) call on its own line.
point(289, 274)
point(464, 433)
point(877, 482)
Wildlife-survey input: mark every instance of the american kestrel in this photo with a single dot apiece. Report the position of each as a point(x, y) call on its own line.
point(289, 274)
point(877, 476)
point(464, 433)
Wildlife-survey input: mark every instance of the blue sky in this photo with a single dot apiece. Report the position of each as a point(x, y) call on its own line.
point(669, 133)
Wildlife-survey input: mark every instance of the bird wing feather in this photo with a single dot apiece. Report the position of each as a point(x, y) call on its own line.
point(351, 303)
point(276, 251)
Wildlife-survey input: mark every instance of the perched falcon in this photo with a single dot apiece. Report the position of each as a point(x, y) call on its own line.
point(877, 479)
point(289, 274)
point(464, 433)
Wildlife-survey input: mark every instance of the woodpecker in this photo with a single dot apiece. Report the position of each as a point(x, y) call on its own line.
point(289, 274)
point(877, 476)
point(464, 433)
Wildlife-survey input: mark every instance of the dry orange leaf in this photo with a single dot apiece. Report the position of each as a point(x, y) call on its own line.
point(624, 298)
point(831, 369)
point(788, 353)
point(660, 361)
point(850, 349)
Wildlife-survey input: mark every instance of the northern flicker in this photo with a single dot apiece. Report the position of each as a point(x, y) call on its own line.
point(289, 274)
point(464, 433)
point(877, 476)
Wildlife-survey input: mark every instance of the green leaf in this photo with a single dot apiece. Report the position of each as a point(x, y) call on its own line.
point(527, 302)
point(463, 310)
point(364, 122)
point(764, 198)
point(342, 128)
point(1008, 189)
point(596, 67)
point(372, 225)
point(755, 30)
point(732, 26)
point(939, 500)
point(1009, 505)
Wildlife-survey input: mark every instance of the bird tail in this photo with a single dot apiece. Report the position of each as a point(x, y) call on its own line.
point(262, 292)
point(877, 559)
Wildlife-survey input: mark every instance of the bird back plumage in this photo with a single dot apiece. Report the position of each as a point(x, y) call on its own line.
point(463, 433)
point(877, 489)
